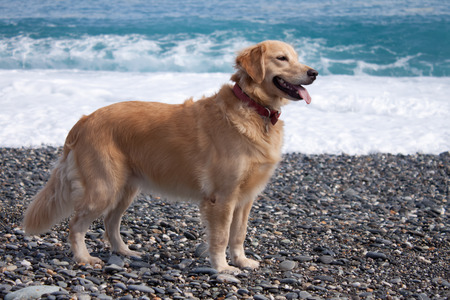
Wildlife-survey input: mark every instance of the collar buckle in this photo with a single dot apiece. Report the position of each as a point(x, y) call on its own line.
point(262, 110)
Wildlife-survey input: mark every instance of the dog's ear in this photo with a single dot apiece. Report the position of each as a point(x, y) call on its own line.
point(252, 61)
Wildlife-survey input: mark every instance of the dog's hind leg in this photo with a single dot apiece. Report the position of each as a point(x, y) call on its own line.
point(93, 205)
point(79, 225)
point(112, 222)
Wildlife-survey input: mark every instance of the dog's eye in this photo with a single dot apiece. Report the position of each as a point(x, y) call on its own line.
point(282, 58)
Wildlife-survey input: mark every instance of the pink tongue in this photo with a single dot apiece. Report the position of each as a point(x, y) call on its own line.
point(304, 94)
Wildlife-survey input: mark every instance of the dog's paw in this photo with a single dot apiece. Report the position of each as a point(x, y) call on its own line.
point(229, 270)
point(128, 252)
point(91, 260)
point(246, 263)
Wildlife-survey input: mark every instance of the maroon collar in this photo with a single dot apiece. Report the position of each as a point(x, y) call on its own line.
point(266, 112)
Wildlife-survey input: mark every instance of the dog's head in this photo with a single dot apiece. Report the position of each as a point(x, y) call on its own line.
point(270, 72)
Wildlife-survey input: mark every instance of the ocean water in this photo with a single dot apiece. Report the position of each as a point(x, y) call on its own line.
point(384, 65)
point(382, 37)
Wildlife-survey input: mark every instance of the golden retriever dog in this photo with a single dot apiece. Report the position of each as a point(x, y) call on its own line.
point(219, 152)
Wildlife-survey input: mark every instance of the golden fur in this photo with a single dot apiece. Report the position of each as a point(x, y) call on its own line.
point(216, 151)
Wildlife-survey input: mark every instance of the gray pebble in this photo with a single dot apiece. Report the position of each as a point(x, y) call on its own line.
point(243, 292)
point(376, 255)
point(93, 280)
point(290, 281)
point(78, 288)
point(441, 281)
point(351, 193)
point(12, 247)
point(120, 285)
point(130, 275)
point(113, 268)
point(5, 288)
point(139, 264)
point(303, 258)
point(201, 250)
point(396, 281)
point(68, 273)
point(324, 278)
point(325, 259)
point(287, 265)
point(423, 296)
point(58, 262)
point(159, 290)
point(305, 295)
point(190, 235)
point(226, 278)
point(142, 288)
point(32, 245)
point(104, 297)
point(291, 296)
point(85, 282)
point(185, 263)
point(367, 295)
point(83, 296)
point(116, 260)
point(31, 292)
point(204, 270)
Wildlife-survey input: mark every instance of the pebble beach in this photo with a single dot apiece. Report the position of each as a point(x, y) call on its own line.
point(326, 227)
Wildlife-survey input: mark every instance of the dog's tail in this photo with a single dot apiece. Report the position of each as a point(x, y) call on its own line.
point(56, 200)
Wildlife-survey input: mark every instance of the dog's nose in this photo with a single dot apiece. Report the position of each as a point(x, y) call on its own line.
point(312, 73)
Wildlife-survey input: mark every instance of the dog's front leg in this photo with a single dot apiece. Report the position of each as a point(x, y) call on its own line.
point(218, 214)
point(237, 236)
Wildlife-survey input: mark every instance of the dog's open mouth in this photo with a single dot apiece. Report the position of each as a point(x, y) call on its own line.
point(294, 91)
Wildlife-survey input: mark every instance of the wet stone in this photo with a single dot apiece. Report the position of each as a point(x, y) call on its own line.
point(32, 292)
point(113, 268)
point(325, 259)
point(324, 251)
point(243, 292)
point(68, 273)
point(290, 281)
point(303, 258)
point(324, 278)
point(12, 247)
point(116, 260)
point(204, 270)
point(287, 265)
point(227, 278)
point(305, 295)
point(141, 288)
point(201, 250)
point(136, 264)
point(292, 296)
point(120, 285)
point(376, 255)
point(190, 235)
point(159, 290)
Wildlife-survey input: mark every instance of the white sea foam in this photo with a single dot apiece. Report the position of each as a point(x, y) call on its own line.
point(348, 114)
point(195, 53)
point(132, 52)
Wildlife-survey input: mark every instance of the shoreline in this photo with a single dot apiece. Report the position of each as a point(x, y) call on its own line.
point(348, 114)
point(371, 226)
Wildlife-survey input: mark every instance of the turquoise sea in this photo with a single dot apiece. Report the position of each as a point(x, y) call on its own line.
point(347, 37)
